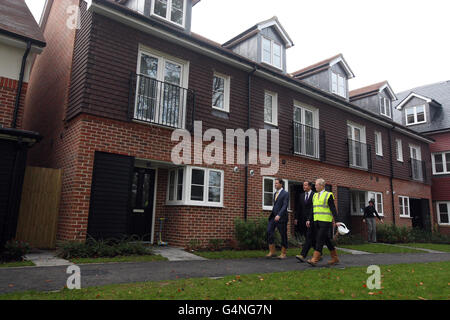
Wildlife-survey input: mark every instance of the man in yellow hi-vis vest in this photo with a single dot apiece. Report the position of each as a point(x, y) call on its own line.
point(325, 213)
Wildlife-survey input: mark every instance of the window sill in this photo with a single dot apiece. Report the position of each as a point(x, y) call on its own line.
point(405, 217)
point(415, 124)
point(444, 224)
point(159, 18)
point(271, 66)
point(183, 204)
point(227, 110)
point(307, 157)
point(273, 125)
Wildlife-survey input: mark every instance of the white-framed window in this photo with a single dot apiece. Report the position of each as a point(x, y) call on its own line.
point(221, 92)
point(358, 202)
point(356, 135)
point(272, 53)
point(137, 5)
point(195, 186)
point(385, 107)
point(174, 11)
point(443, 213)
point(306, 130)
point(271, 108)
point(416, 162)
point(269, 191)
point(378, 144)
point(399, 145)
point(338, 84)
point(404, 206)
point(441, 162)
point(160, 93)
point(378, 197)
point(175, 192)
point(415, 115)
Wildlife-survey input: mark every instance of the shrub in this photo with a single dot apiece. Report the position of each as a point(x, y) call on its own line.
point(394, 234)
point(101, 248)
point(14, 250)
point(194, 245)
point(216, 244)
point(252, 234)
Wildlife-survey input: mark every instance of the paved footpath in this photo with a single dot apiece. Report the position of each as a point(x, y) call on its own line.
point(54, 278)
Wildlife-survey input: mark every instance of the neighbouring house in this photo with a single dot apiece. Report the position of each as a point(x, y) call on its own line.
point(20, 41)
point(108, 96)
point(426, 110)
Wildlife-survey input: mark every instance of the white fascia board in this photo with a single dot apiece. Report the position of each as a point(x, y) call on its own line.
point(409, 97)
point(21, 44)
point(283, 34)
point(345, 65)
point(391, 92)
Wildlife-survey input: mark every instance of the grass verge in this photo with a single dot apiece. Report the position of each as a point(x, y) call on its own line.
point(420, 281)
point(17, 264)
point(244, 254)
point(144, 258)
point(431, 246)
point(379, 248)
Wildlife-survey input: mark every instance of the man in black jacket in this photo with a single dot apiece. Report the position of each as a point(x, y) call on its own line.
point(369, 216)
point(304, 214)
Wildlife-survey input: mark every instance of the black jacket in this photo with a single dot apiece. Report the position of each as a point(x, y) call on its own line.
point(370, 212)
point(304, 210)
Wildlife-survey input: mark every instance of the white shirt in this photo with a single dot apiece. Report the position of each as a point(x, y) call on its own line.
point(308, 194)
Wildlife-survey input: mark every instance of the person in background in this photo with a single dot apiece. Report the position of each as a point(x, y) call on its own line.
point(369, 216)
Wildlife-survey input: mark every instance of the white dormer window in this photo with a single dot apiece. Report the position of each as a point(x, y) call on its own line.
point(271, 53)
point(338, 85)
point(385, 107)
point(415, 115)
point(173, 11)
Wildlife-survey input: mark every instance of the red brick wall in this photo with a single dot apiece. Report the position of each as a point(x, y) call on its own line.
point(49, 81)
point(8, 93)
point(87, 134)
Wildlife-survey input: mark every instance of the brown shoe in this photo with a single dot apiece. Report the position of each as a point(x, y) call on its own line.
point(272, 251)
point(300, 258)
point(313, 261)
point(283, 253)
point(334, 258)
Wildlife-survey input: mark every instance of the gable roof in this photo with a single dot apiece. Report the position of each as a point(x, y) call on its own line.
point(18, 22)
point(415, 95)
point(323, 65)
point(372, 89)
point(272, 22)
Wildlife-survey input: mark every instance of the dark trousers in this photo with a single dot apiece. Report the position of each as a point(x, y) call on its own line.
point(310, 240)
point(323, 232)
point(282, 228)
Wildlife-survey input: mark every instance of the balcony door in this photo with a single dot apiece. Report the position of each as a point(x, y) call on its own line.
point(357, 150)
point(159, 97)
point(416, 162)
point(306, 137)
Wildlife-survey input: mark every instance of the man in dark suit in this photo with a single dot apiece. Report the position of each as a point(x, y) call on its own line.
point(304, 214)
point(278, 219)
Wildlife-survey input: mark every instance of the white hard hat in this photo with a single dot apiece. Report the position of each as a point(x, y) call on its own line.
point(342, 229)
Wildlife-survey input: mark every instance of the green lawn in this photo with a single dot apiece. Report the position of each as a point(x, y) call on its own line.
point(379, 248)
point(243, 254)
point(17, 264)
point(400, 282)
point(144, 258)
point(432, 246)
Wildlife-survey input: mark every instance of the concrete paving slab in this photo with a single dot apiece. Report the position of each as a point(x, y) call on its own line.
point(43, 258)
point(176, 254)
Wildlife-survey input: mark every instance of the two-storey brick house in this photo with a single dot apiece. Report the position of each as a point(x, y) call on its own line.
point(20, 41)
point(426, 110)
point(136, 72)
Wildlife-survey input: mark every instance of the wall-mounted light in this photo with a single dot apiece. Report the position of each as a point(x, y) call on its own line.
point(252, 173)
point(236, 169)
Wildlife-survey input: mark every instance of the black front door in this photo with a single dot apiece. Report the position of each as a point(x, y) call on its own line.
point(142, 198)
point(416, 213)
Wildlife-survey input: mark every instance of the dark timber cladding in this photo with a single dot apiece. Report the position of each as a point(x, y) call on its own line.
point(12, 167)
point(111, 186)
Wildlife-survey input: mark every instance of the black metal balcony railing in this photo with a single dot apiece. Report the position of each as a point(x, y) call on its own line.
point(417, 169)
point(161, 103)
point(359, 155)
point(306, 140)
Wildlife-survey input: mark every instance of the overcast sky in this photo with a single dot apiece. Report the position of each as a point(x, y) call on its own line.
point(403, 41)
